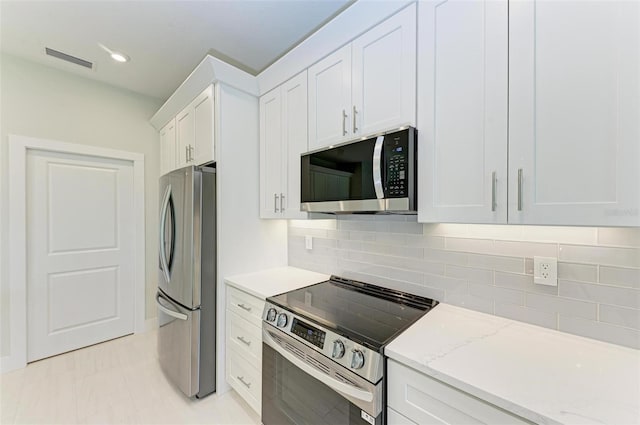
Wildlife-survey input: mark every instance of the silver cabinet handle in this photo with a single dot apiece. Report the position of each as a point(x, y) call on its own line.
point(519, 189)
point(355, 128)
point(191, 149)
point(186, 154)
point(282, 202)
point(494, 183)
point(344, 122)
point(241, 379)
point(244, 307)
point(244, 341)
point(275, 202)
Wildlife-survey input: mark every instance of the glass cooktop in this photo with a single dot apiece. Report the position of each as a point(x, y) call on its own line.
point(365, 313)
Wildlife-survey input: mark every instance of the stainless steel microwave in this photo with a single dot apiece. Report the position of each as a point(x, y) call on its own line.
point(375, 175)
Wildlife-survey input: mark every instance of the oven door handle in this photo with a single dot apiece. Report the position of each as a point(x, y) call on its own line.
point(331, 382)
point(377, 167)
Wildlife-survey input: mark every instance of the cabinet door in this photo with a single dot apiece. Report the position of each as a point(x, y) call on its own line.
point(330, 99)
point(185, 136)
point(574, 130)
point(294, 141)
point(462, 111)
point(168, 147)
point(384, 75)
point(271, 154)
point(204, 127)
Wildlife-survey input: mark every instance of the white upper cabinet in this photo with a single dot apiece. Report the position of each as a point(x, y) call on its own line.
point(204, 127)
point(366, 86)
point(574, 112)
point(195, 131)
point(462, 111)
point(283, 137)
point(384, 75)
point(294, 140)
point(168, 147)
point(330, 99)
point(271, 154)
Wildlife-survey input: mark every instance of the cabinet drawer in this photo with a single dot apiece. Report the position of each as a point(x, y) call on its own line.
point(244, 305)
point(245, 379)
point(395, 418)
point(428, 401)
point(244, 337)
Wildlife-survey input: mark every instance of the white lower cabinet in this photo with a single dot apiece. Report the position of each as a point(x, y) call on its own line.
point(424, 400)
point(395, 418)
point(244, 346)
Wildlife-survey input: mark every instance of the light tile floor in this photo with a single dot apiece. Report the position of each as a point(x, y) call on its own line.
point(116, 382)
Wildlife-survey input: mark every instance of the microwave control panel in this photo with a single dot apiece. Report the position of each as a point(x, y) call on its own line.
point(396, 154)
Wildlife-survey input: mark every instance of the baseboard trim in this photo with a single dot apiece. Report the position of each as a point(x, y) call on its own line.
point(10, 363)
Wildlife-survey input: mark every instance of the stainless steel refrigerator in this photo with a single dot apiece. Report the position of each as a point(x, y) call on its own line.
point(186, 297)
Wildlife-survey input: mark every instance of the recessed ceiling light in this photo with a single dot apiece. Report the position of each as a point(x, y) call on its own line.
point(119, 57)
point(116, 56)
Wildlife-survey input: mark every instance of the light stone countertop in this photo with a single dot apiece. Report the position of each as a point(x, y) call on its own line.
point(540, 374)
point(275, 281)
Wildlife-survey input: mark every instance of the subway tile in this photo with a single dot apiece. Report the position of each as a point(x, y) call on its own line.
point(497, 263)
point(425, 266)
point(613, 295)
point(618, 276)
point(561, 234)
point(522, 282)
point(494, 231)
point(619, 236)
point(469, 245)
point(564, 306)
point(579, 272)
point(444, 283)
point(391, 238)
point(621, 316)
point(625, 257)
point(407, 251)
point(469, 274)
point(525, 249)
point(362, 226)
point(314, 224)
point(362, 236)
point(496, 293)
point(337, 234)
point(469, 301)
point(602, 331)
point(425, 241)
point(449, 257)
point(350, 245)
point(445, 229)
point(299, 231)
point(406, 227)
point(528, 315)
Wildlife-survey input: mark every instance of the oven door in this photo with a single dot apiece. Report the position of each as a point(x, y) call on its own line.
point(301, 386)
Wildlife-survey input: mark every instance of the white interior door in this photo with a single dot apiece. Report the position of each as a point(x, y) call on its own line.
point(80, 251)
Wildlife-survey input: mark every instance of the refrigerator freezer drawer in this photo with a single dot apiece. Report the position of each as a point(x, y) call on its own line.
point(179, 344)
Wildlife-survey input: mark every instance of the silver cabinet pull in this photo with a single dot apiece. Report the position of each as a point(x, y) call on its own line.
point(244, 341)
point(282, 202)
point(186, 154)
point(519, 189)
point(191, 149)
point(244, 307)
point(494, 183)
point(275, 202)
point(355, 128)
point(241, 379)
point(344, 122)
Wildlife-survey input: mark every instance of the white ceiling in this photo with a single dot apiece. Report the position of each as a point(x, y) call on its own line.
point(165, 39)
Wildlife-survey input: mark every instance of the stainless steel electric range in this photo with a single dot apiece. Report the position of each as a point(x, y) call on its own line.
point(322, 360)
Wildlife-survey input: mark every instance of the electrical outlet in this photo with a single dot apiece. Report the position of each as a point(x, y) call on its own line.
point(545, 271)
point(308, 242)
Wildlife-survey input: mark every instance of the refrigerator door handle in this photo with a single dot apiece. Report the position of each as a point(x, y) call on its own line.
point(168, 311)
point(163, 221)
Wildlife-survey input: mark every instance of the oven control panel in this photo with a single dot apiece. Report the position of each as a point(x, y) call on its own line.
point(349, 354)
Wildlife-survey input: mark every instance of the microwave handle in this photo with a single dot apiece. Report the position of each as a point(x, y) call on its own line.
point(377, 167)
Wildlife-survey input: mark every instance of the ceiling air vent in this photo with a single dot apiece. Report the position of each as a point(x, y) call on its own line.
point(68, 58)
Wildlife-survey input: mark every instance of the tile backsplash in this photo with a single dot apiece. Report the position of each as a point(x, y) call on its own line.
point(489, 268)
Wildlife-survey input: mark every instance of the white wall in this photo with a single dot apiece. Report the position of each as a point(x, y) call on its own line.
point(42, 102)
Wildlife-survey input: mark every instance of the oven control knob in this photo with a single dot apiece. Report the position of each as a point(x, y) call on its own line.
point(338, 349)
point(357, 359)
point(271, 315)
point(282, 320)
